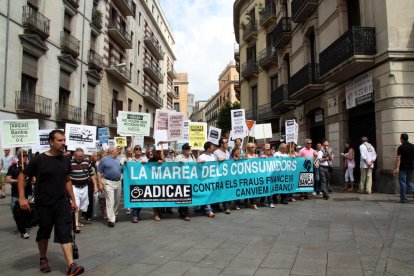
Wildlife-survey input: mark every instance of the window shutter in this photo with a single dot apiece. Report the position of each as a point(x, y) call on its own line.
point(29, 65)
point(91, 93)
point(64, 80)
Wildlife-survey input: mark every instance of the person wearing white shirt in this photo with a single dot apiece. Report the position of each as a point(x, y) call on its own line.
point(184, 157)
point(137, 157)
point(207, 156)
point(221, 154)
point(368, 157)
point(282, 152)
point(325, 156)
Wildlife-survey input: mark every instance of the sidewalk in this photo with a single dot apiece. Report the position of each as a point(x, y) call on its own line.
point(349, 234)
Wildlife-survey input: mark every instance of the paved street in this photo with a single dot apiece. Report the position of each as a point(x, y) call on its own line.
point(350, 234)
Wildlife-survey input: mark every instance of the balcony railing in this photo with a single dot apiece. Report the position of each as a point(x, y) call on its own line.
point(282, 33)
point(69, 43)
point(36, 21)
point(152, 94)
point(171, 72)
point(65, 112)
point(267, 57)
point(250, 30)
point(249, 69)
point(280, 99)
point(26, 102)
point(118, 70)
point(94, 119)
point(154, 46)
point(95, 60)
point(97, 18)
point(356, 41)
point(265, 112)
point(73, 3)
point(309, 74)
point(268, 15)
point(153, 71)
point(120, 34)
point(302, 9)
point(127, 7)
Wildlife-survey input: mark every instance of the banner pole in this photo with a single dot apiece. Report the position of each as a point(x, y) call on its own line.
point(21, 156)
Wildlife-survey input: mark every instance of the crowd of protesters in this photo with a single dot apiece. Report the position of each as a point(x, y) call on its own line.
point(90, 187)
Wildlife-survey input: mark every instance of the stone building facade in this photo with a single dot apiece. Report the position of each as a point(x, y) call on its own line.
point(181, 93)
point(341, 68)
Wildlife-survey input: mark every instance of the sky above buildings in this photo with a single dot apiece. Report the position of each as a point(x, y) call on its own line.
point(204, 36)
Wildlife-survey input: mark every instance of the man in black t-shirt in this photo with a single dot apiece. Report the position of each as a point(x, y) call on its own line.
point(53, 189)
point(404, 163)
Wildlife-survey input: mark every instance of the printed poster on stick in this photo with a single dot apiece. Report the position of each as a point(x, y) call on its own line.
point(175, 126)
point(15, 133)
point(134, 123)
point(292, 130)
point(43, 143)
point(80, 136)
point(238, 123)
point(120, 141)
point(214, 135)
point(197, 135)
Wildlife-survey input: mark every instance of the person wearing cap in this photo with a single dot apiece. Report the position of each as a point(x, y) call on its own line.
point(185, 156)
point(21, 218)
point(208, 156)
point(5, 162)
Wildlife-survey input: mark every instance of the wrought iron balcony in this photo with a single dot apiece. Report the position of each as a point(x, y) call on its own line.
point(282, 33)
point(250, 31)
point(35, 21)
point(280, 99)
point(350, 54)
point(268, 16)
point(153, 71)
point(237, 52)
point(268, 57)
point(154, 46)
point(69, 43)
point(94, 119)
point(95, 60)
point(302, 9)
point(151, 94)
point(250, 69)
point(118, 70)
point(68, 113)
point(28, 103)
point(171, 72)
point(120, 34)
point(97, 18)
point(127, 7)
point(73, 3)
point(305, 84)
point(265, 112)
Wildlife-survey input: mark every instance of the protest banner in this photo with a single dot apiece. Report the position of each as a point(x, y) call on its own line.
point(134, 123)
point(175, 126)
point(103, 135)
point(16, 133)
point(80, 136)
point(174, 184)
point(120, 141)
point(292, 130)
point(263, 131)
point(214, 134)
point(43, 142)
point(238, 123)
point(197, 135)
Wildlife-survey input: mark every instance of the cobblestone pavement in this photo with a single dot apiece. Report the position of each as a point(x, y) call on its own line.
point(350, 234)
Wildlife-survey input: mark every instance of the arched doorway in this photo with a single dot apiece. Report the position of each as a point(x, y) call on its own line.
point(317, 126)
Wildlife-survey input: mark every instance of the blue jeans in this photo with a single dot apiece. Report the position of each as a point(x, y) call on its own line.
point(404, 178)
point(136, 212)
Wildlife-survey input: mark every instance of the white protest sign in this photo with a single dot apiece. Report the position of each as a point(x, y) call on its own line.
point(111, 143)
point(139, 141)
point(214, 135)
point(185, 132)
point(263, 131)
point(175, 126)
point(16, 133)
point(161, 146)
point(134, 123)
point(359, 90)
point(238, 123)
point(80, 136)
point(43, 144)
point(161, 119)
point(160, 136)
point(292, 130)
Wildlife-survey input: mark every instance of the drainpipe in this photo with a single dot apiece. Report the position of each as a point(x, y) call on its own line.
point(81, 68)
point(6, 54)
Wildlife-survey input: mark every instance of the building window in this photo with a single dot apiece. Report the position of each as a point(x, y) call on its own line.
point(139, 46)
point(129, 104)
point(140, 108)
point(177, 107)
point(177, 90)
point(28, 84)
point(138, 76)
point(89, 112)
point(117, 106)
point(273, 83)
point(254, 102)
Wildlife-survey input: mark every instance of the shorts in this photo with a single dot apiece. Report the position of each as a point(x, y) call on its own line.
point(59, 216)
point(2, 179)
point(81, 198)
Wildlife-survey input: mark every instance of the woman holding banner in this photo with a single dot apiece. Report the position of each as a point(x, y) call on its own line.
point(138, 157)
point(155, 156)
point(251, 153)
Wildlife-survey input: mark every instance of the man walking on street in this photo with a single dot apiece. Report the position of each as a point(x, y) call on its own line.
point(5, 162)
point(368, 157)
point(404, 165)
point(109, 176)
point(221, 154)
point(54, 199)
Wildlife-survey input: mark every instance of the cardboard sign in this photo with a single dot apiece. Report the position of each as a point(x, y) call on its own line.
point(263, 131)
point(16, 133)
point(43, 144)
point(292, 130)
point(134, 123)
point(80, 136)
point(214, 135)
point(161, 119)
point(197, 135)
point(120, 142)
point(175, 126)
point(138, 141)
point(238, 123)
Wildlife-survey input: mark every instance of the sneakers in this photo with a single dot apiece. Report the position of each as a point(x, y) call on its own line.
point(2, 196)
point(134, 220)
point(254, 206)
point(111, 224)
point(314, 193)
point(74, 269)
point(157, 218)
point(272, 205)
point(211, 215)
point(128, 211)
point(187, 218)
point(44, 265)
point(25, 236)
point(227, 211)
